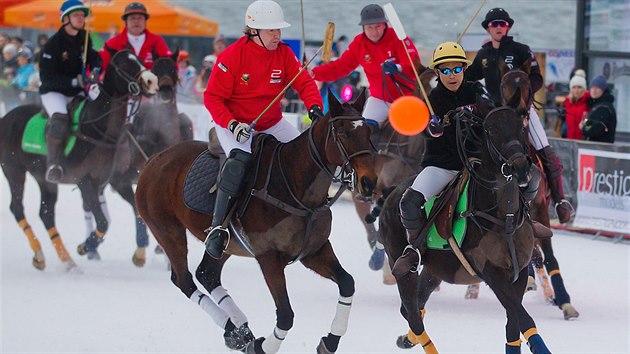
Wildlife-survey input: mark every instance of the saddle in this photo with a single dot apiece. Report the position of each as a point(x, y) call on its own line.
point(34, 136)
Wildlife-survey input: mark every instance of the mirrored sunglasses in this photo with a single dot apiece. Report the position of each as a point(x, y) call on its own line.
point(498, 23)
point(455, 70)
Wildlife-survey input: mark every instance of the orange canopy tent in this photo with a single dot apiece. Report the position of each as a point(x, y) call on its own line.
point(166, 18)
point(8, 3)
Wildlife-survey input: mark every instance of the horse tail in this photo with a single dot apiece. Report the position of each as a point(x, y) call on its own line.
point(376, 212)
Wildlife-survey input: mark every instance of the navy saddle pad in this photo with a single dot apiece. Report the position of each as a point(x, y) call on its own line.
point(200, 178)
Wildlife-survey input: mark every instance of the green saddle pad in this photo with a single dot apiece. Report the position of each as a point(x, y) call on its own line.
point(34, 138)
point(434, 240)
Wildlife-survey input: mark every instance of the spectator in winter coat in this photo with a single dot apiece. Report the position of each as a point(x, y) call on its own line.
point(601, 123)
point(25, 70)
point(248, 75)
point(576, 107)
point(383, 58)
point(136, 37)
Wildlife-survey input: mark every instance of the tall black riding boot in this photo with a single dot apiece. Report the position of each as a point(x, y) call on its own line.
point(231, 183)
point(553, 172)
point(57, 128)
point(413, 217)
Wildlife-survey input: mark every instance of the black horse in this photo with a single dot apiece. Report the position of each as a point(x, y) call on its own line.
point(287, 219)
point(89, 165)
point(156, 126)
point(499, 239)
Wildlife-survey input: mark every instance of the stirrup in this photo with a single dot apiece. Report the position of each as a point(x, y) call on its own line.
point(221, 230)
point(417, 250)
point(571, 209)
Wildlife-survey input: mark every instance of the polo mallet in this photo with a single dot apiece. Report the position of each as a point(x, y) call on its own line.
point(303, 43)
point(394, 21)
point(329, 38)
point(483, 2)
point(251, 126)
point(85, 44)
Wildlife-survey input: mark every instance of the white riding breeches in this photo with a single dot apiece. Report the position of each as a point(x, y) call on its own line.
point(376, 109)
point(283, 131)
point(431, 180)
point(537, 135)
point(55, 102)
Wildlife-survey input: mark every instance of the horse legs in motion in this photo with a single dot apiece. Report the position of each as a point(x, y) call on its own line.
point(16, 176)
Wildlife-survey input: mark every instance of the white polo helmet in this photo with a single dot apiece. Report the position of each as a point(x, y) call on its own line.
point(265, 14)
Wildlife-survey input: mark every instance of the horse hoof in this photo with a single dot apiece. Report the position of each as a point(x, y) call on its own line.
point(404, 343)
point(255, 347)
point(93, 256)
point(377, 259)
point(570, 313)
point(39, 262)
point(238, 338)
point(321, 348)
point(139, 257)
point(68, 265)
point(531, 284)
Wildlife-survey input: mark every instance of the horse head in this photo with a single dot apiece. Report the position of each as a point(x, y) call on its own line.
point(165, 68)
point(348, 142)
point(516, 90)
point(505, 138)
point(127, 76)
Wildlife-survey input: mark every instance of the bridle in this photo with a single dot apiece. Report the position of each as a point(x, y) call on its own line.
point(346, 175)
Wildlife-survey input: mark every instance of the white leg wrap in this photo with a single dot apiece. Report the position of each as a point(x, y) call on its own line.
point(272, 343)
point(216, 313)
point(89, 223)
point(220, 297)
point(340, 322)
point(103, 202)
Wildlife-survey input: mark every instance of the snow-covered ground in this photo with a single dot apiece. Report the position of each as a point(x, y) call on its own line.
point(114, 307)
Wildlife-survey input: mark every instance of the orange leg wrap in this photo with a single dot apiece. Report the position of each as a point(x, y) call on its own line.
point(30, 235)
point(516, 343)
point(424, 340)
point(530, 332)
point(99, 234)
point(62, 252)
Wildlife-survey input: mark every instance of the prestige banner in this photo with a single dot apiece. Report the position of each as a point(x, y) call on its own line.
point(603, 192)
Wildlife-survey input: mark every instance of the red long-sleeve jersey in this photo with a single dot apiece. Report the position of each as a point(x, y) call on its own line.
point(370, 56)
point(154, 47)
point(247, 77)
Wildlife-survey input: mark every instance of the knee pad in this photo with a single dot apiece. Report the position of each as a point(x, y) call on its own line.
point(412, 213)
point(234, 171)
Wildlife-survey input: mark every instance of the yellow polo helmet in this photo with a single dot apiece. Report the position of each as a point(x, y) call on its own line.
point(449, 52)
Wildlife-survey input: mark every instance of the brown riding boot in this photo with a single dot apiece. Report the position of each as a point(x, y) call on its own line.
point(413, 217)
point(57, 128)
point(553, 172)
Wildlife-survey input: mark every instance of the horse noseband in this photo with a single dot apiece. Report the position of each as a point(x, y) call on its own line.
point(134, 88)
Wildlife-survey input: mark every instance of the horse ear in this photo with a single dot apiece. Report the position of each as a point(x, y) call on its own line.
point(334, 106)
point(526, 67)
point(175, 54)
point(360, 101)
point(515, 100)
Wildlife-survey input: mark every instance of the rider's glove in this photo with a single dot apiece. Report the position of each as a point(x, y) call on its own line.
point(240, 130)
point(315, 113)
point(435, 129)
point(94, 74)
point(391, 68)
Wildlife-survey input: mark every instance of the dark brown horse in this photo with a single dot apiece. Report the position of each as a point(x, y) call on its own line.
point(397, 157)
point(156, 126)
point(516, 83)
point(286, 219)
point(499, 239)
point(89, 165)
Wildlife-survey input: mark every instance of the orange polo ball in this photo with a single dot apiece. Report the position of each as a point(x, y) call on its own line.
point(409, 115)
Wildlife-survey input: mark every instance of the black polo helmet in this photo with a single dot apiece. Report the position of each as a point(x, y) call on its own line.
point(372, 14)
point(135, 8)
point(497, 14)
